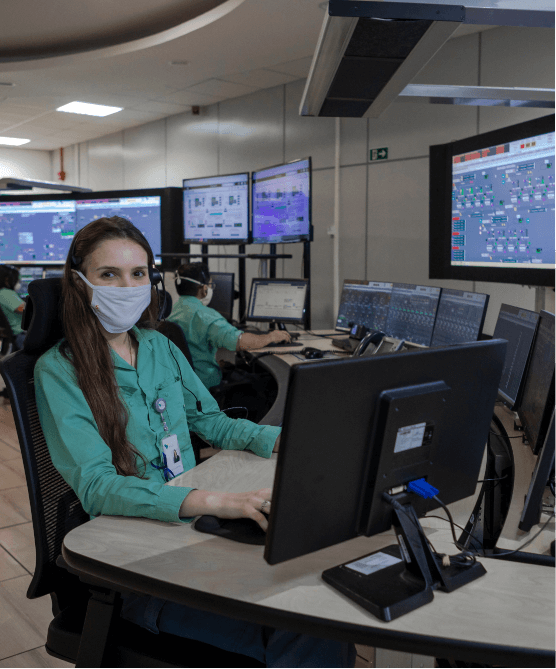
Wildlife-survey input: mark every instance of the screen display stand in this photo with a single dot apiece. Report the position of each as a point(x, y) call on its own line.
point(274, 325)
point(402, 577)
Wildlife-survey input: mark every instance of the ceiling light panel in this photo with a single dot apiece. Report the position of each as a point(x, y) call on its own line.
point(13, 141)
point(89, 109)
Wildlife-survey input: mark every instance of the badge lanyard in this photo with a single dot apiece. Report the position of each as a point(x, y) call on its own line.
point(171, 454)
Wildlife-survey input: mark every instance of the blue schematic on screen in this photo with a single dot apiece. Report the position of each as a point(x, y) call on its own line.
point(36, 231)
point(282, 203)
point(143, 211)
point(503, 205)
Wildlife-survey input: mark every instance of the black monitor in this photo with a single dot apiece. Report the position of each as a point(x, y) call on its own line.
point(216, 209)
point(278, 301)
point(460, 317)
point(223, 296)
point(364, 303)
point(26, 275)
point(53, 273)
point(281, 201)
point(492, 206)
point(36, 229)
point(537, 401)
point(377, 425)
point(518, 327)
point(412, 312)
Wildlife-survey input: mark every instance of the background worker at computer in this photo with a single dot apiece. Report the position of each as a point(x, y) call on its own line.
point(11, 304)
point(205, 329)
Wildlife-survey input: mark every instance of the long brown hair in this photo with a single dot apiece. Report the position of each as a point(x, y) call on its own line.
point(87, 348)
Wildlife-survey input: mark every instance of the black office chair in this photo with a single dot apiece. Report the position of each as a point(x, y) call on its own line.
point(176, 335)
point(86, 628)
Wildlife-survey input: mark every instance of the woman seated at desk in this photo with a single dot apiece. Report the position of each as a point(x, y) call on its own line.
point(205, 329)
point(11, 304)
point(114, 396)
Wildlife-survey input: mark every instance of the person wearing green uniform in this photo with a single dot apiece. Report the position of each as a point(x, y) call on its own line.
point(11, 304)
point(205, 329)
point(115, 396)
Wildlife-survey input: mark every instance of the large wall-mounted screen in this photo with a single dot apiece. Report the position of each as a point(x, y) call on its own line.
point(281, 200)
point(216, 209)
point(492, 206)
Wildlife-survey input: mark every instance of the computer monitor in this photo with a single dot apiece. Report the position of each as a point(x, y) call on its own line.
point(378, 424)
point(518, 327)
point(537, 401)
point(216, 209)
point(492, 206)
point(412, 312)
point(460, 317)
point(364, 303)
point(281, 201)
point(278, 301)
point(144, 210)
point(223, 295)
point(26, 275)
point(53, 273)
point(36, 230)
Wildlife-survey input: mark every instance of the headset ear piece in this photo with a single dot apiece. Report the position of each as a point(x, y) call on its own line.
point(155, 276)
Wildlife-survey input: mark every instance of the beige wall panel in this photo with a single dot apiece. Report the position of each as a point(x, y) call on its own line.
point(106, 162)
point(192, 145)
point(353, 202)
point(321, 250)
point(353, 141)
point(144, 153)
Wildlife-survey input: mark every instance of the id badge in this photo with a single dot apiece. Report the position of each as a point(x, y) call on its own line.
point(172, 454)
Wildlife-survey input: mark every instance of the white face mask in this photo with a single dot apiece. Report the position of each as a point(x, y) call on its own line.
point(17, 286)
point(208, 297)
point(118, 309)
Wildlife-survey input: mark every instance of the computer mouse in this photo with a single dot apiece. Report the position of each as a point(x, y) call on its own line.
point(244, 530)
point(311, 353)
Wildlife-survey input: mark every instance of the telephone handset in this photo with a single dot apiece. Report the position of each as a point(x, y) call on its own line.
point(370, 343)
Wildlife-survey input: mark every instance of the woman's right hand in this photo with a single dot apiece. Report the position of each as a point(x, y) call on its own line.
point(228, 505)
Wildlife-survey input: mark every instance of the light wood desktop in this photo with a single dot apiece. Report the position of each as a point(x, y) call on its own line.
point(505, 618)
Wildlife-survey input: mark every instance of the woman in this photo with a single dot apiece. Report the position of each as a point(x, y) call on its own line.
point(11, 304)
point(114, 395)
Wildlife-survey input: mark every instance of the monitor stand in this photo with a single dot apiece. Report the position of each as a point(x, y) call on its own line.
point(273, 325)
point(400, 578)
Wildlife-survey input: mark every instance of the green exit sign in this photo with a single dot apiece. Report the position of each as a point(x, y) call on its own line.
point(378, 154)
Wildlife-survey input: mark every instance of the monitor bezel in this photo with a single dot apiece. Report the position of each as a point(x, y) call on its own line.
point(293, 321)
point(301, 238)
point(231, 312)
point(220, 242)
point(440, 212)
point(460, 290)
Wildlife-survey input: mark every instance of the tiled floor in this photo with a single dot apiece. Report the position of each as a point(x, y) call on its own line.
point(23, 622)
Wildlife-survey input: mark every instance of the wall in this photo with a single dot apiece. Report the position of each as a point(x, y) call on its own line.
point(26, 164)
point(383, 206)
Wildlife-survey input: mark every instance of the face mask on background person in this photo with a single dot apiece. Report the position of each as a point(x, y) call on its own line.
point(17, 286)
point(210, 291)
point(118, 308)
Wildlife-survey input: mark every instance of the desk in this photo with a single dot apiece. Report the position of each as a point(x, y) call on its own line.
point(505, 617)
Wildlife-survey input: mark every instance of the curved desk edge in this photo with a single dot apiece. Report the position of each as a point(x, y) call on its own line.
point(280, 370)
point(121, 579)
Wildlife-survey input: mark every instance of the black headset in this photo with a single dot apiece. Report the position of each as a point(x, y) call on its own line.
point(155, 276)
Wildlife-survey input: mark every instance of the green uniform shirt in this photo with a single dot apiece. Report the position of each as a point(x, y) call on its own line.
point(9, 302)
point(206, 331)
point(85, 461)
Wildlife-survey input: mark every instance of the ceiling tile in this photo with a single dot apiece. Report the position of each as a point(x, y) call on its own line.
point(299, 68)
point(220, 88)
point(166, 108)
point(260, 78)
point(188, 98)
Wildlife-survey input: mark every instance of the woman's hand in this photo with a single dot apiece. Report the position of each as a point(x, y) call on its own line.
point(228, 505)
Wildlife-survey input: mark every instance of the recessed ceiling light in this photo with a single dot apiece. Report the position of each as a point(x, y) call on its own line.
point(178, 62)
point(6, 83)
point(89, 109)
point(13, 141)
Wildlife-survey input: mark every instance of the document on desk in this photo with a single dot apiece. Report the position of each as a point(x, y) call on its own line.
point(230, 471)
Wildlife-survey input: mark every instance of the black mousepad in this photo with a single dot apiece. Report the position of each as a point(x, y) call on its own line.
point(244, 530)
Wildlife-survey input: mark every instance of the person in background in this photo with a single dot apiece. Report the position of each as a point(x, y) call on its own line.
point(205, 329)
point(11, 304)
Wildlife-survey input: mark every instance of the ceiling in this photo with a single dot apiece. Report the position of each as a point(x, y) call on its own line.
point(152, 59)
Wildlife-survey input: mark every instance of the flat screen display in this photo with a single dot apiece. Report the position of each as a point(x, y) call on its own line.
point(143, 211)
point(459, 318)
point(26, 275)
point(216, 209)
point(412, 312)
point(518, 327)
point(364, 303)
point(36, 231)
point(281, 200)
point(279, 300)
point(223, 295)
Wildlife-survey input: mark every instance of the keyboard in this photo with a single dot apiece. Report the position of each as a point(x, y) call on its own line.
point(282, 344)
point(346, 344)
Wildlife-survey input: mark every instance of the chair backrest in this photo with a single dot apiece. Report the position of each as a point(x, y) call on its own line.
point(166, 301)
point(177, 336)
point(55, 508)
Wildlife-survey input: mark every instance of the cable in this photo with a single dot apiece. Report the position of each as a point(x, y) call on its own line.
point(497, 555)
point(447, 510)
